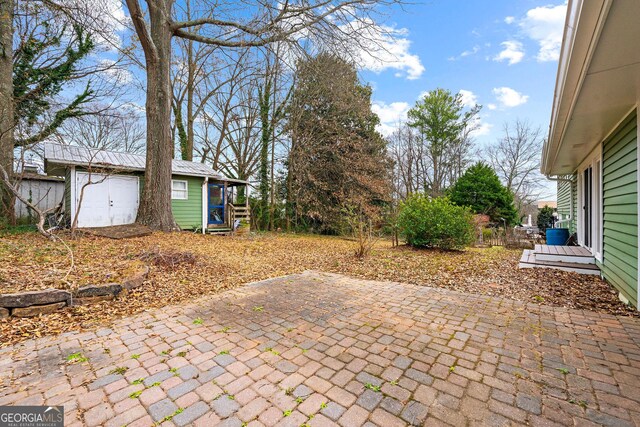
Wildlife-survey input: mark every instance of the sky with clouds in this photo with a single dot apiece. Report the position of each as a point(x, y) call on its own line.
point(501, 54)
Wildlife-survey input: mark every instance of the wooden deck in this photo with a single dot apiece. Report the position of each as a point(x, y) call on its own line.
point(562, 250)
point(566, 258)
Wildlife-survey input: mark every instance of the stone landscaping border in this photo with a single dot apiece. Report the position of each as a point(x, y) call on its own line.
point(34, 303)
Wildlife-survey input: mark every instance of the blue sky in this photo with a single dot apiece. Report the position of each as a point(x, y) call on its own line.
point(501, 54)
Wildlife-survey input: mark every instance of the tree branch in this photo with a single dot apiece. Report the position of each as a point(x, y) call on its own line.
point(142, 30)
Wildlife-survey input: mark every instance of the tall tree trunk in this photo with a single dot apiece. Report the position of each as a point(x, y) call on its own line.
point(190, 92)
point(272, 204)
point(155, 206)
point(265, 106)
point(6, 105)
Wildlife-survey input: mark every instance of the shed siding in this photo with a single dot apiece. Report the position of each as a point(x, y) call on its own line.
point(620, 208)
point(67, 196)
point(44, 194)
point(188, 213)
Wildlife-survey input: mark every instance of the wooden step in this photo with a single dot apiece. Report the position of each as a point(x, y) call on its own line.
point(530, 260)
point(220, 231)
point(567, 254)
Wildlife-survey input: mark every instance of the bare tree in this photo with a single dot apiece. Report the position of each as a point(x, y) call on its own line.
point(406, 151)
point(111, 129)
point(516, 159)
point(241, 156)
point(224, 107)
point(7, 123)
point(241, 26)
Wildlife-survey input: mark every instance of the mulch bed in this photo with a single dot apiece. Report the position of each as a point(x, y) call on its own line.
point(186, 265)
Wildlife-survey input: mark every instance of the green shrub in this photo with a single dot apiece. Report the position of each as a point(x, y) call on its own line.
point(435, 223)
point(545, 218)
point(481, 190)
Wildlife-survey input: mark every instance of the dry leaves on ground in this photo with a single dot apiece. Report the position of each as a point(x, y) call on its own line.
point(192, 265)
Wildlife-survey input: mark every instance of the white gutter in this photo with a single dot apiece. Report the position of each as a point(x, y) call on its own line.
point(578, 67)
point(565, 53)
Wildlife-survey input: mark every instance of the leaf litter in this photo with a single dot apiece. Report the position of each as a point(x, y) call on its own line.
point(185, 266)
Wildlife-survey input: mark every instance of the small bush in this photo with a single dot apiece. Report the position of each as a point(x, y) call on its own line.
point(435, 223)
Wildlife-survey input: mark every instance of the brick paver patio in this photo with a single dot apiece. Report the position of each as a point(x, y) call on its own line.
point(322, 350)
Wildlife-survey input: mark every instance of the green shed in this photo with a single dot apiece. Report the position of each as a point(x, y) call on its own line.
point(103, 188)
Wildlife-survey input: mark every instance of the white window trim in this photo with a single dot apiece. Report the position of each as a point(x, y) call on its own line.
point(593, 160)
point(205, 204)
point(186, 189)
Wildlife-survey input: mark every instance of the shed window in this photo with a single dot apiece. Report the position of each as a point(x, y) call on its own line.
point(179, 190)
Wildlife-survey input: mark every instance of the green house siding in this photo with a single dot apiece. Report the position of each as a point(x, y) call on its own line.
point(620, 209)
point(574, 217)
point(567, 191)
point(188, 213)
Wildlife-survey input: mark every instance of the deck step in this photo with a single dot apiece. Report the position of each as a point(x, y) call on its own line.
point(572, 259)
point(570, 254)
point(530, 260)
point(220, 231)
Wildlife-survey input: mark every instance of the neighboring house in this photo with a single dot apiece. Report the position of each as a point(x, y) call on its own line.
point(201, 199)
point(592, 149)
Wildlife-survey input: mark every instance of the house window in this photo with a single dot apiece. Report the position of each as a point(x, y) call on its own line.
point(179, 190)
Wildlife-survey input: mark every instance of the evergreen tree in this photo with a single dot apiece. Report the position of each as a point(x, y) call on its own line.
point(40, 73)
point(337, 160)
point(545, 218)
point(480, 189)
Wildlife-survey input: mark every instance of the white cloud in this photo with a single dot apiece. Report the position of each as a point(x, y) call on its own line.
point(492, 106)
point(106, 19)
point(481, 128)
point(508, 97)
point(115, 72)
point(466, 53)
point(469, 99)
point(390, 115)
point(509, 20)
point(545, 25)
point(512, 51)
point(382, 47)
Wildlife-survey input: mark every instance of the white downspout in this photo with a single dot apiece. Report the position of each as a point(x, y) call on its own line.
point(205, 204)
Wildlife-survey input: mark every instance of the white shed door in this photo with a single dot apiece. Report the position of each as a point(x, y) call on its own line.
point(114, 201)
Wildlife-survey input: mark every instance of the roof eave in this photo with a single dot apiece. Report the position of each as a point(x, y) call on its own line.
point(65, 163)
point(572, 66)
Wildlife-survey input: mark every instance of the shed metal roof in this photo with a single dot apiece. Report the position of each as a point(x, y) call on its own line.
point(73, 155)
